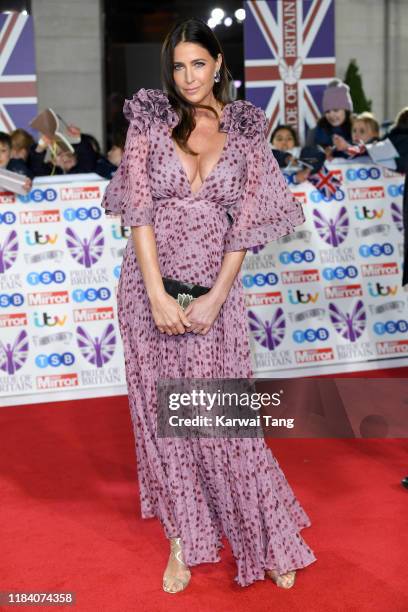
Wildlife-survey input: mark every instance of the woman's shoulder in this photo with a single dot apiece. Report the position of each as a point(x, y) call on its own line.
point(244, 118)
point(149, 106)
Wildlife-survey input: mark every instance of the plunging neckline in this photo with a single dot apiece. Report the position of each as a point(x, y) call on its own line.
point(213, 169)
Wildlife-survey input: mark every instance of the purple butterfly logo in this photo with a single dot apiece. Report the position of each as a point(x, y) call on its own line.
point(97, 351)
point(333, 231)
point(8, 251)
point(268, 334)
point(350, 326)
point(13, 356)
point(396, 214)
point(86, 252)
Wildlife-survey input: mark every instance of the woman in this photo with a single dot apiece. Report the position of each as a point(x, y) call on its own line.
point(176, 203)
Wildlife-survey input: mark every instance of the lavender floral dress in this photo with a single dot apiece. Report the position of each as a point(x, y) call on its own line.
point(202, 488)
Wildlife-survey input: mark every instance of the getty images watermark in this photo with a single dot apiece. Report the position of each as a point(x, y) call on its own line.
point(217, 408)
point(283, 408)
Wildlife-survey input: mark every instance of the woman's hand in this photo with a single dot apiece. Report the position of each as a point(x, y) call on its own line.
point(168, 315)
point(202, 313)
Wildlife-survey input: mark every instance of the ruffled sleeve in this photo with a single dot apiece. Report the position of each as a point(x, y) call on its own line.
point(267, 209)
point(128, 193)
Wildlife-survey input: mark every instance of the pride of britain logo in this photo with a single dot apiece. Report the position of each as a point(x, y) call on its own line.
point(349, 325)
point(85, 251)
point(268, 334)
point(13, 355)
point(8, 251)
point(335, 230)
point(97, 350)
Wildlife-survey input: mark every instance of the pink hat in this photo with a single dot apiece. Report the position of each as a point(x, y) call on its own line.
point(336, 96)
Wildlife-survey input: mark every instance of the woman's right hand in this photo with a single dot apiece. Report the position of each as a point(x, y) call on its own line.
point(168, 315)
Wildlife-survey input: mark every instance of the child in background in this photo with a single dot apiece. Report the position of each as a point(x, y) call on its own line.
point(365, 129)
point(14, 165)
point(337, 107)
point(397, 135)
point(21, 142)
point(107, 166)
point(286, 149)
point(82, 160)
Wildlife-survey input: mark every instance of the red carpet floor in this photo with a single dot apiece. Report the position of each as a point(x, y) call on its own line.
point(70, 520)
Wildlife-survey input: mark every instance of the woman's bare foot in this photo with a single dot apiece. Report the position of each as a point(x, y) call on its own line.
point(286, 581)
point(177, 575)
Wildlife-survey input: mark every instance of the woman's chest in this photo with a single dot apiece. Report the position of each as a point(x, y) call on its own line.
point(217, 173)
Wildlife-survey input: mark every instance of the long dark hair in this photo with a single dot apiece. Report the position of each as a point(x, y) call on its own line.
point(198, 32)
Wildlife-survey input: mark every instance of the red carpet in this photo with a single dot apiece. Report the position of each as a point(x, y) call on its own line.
point(70, 520)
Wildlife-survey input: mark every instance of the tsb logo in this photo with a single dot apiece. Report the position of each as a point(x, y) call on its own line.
point(317, 197)
point(54, 360)
point(46, 278)
point(14, 299)
point(339, 273)
point(7, 218)
point(376, 250)
point(259, 280)
point(395, 190)
point(91, 295)
point(82, 214)
point(40, 195)
point(310, 335)
point(287, 257)
point(363, 174)
point(391, 327)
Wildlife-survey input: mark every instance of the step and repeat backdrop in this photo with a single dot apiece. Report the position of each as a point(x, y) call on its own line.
point(325, 299)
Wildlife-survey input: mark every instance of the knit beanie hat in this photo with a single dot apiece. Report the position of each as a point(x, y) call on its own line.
point(336, 96)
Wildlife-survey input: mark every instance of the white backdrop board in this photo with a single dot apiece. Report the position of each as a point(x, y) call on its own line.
point(324, 299)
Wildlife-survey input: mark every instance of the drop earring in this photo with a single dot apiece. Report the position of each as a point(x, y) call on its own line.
point(217, 77)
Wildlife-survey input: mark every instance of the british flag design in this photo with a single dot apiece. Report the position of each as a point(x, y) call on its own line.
point(18, 81)
point(289, 58)
point(325, 181)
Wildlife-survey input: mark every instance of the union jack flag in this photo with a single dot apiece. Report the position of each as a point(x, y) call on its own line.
point(325, 181)
point(289, 58)
point(18, 81)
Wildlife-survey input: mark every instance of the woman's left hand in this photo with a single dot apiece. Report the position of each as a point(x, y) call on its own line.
point(202, 313)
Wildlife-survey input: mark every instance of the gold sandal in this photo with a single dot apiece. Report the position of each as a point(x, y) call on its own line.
point(285, 581)
point(168, 578)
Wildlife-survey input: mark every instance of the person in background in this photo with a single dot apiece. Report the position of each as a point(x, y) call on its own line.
point(286, 150)
point(21, 141)
point(398, 135)
point(83, 159)
point(365, 130)
point(107, 166)
point(337, 107)
point(14, 165)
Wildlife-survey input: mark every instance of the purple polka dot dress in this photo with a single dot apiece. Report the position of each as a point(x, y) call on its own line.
point(202, 488)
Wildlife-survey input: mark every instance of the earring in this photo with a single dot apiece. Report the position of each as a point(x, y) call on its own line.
point(217, 77)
